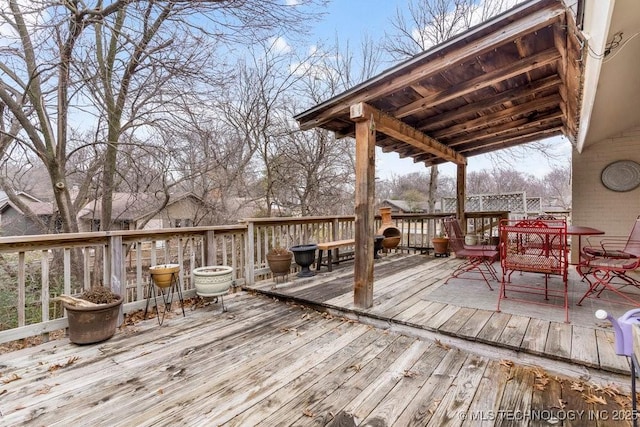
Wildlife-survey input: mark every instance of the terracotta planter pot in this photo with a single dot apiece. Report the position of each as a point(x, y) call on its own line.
point(88, 325)
point(163, 273)
point(440, 246)
point(279, 264)
point(213, 280)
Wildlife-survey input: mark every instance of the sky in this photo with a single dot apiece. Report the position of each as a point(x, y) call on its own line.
point(349, 20)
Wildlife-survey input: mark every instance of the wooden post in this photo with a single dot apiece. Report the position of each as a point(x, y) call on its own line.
point(249, 254)
point(364, 232)
point(461, 195)
point(209, 248)
point(117, 279)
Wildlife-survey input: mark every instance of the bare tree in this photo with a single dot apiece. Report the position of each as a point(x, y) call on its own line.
point(115, 68)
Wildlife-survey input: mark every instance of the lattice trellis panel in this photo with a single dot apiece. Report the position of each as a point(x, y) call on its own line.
point(514, 202)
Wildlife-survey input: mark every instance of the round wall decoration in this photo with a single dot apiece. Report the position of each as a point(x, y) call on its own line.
point(623, 175)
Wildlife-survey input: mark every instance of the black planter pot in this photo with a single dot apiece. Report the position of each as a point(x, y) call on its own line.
point(377, 245)
point(304, 255)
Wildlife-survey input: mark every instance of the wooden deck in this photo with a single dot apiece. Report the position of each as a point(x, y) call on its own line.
point(270, 362)
point(267, 362)
point(409, 293)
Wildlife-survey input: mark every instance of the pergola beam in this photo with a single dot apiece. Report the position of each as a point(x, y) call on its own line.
point(399, 130)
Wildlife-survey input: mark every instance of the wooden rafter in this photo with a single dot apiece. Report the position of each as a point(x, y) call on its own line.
point(399, 130)
point(388, 84)
point(485, 80)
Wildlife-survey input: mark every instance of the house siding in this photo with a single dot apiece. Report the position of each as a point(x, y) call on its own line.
point(593, 204)
point(15, 224)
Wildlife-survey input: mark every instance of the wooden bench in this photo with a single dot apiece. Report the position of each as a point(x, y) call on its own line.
point(330, 247)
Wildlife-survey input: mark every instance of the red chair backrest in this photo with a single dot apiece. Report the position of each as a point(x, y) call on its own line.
point(454, 231)
point(633, 243)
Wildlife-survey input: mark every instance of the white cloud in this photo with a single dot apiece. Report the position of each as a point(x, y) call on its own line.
point(280, 45)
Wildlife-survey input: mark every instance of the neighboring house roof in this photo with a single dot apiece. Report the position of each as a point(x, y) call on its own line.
point(131, 206)
point(21, 194)
point(38, 208)
point(407, 206)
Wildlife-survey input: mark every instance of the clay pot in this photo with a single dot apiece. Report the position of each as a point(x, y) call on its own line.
point(279, 264)
point(163, 274)
point(440, 246)
point(88, 325)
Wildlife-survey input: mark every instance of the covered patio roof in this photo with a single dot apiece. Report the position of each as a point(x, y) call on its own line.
point(514, 79)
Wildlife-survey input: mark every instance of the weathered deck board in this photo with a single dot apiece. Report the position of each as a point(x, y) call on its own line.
point(607, 352)
point(402, 290)
point(420, 410)
point(584, 341)
point(535, 338)
point(474, 325)
point(263, 362)
point(516, 400)
point(546, 399)
point(417, 307)
point(457, 321)
point(459, 396)
point(487, 396)
point(412, 380)
point(493, 328)
point(513, 333)
point(297, 395)
point(557, 339)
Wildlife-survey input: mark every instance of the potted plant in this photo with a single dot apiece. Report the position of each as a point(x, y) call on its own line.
point(279, 260)
point(440, 245)
point(93, 316)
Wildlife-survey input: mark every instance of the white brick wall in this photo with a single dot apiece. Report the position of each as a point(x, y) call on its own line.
point(593, 204)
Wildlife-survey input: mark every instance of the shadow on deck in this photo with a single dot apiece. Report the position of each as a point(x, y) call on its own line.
point(410, 296)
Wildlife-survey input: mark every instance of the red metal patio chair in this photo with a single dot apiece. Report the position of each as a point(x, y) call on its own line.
point(534, 246)
point(607, 269)
point(479, 258)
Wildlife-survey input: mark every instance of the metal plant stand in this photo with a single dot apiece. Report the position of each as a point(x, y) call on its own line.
point(167, 297)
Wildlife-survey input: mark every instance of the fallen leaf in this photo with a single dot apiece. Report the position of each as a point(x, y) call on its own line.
point(44, 389)
point(356, 368)
point(12, 378)
point(442, 345)
point(562, 403)
point(506, 363)
point(592, 398)
point(576, 386)
point(623, 401)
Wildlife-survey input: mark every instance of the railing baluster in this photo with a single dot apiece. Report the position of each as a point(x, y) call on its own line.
point(21, 290)
point(44, 292)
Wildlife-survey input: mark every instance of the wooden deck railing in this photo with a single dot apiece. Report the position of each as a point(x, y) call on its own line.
point(36, 269)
